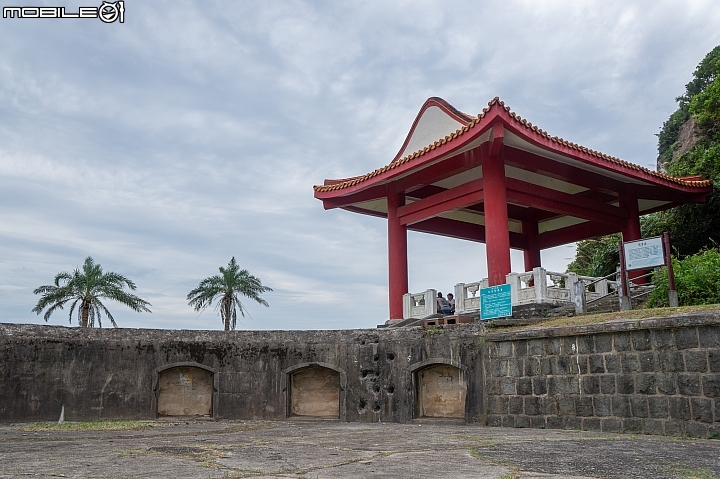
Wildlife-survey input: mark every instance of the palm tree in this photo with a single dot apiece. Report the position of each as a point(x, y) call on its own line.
point(87, 288)
point(225, 287)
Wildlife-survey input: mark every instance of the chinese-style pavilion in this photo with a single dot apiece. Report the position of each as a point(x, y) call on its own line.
point(496, 178)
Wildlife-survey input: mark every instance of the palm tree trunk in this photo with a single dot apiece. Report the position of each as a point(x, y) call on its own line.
point(226, 306)
point(85, 313)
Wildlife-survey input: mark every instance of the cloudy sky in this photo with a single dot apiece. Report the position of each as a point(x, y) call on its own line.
point(194, 132)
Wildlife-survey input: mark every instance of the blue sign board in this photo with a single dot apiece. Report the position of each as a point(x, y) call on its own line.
point(495, 302)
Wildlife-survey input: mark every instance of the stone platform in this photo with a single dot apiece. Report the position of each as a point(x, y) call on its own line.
point(331, 449)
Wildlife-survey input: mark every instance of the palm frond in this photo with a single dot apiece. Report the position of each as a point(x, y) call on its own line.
point(107, 313)
point(72, 307)
point(88, 285)
point(224, 288)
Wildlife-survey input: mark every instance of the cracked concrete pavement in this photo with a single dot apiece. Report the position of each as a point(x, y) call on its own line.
point(328, 449)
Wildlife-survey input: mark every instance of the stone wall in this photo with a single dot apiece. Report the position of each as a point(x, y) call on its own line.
point(113, 373)
point(656, 376)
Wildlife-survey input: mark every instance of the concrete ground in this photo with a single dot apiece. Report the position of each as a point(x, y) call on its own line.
point(325, 449)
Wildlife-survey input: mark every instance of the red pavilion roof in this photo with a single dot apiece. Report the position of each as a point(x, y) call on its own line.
point(475, 126)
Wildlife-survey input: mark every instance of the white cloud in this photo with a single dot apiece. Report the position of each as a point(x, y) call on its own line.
point(195, 131)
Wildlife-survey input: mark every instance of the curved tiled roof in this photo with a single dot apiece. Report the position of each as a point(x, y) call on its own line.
point(472, 122)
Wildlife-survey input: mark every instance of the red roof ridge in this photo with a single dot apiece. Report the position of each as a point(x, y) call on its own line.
point(465, 116)
point(331, 185)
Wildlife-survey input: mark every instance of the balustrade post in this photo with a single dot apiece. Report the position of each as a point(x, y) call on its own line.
point(572, 279)
point(459, 298)
point(430, 302)
point(578, 296)
point(513, 279)
point(601, 287)
point(407, 305)
point(540, 284)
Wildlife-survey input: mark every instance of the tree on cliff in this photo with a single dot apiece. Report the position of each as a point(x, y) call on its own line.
point(688, 144)
point(225, 287)
point(85, 288)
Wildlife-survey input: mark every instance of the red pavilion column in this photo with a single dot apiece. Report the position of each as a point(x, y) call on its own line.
point(631, 228)
point(530, 230)
point(497, 237)
point(397, 254)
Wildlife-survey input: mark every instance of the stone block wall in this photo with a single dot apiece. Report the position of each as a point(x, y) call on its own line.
point(657, 376)
point(113, 373)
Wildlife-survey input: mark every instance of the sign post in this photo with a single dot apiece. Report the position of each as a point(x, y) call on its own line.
point(625, 303)
point(672, 291)
point(495, 302)
point(646, 253)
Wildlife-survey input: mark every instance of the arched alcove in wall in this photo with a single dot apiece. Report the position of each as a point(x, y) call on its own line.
point(314, 392)
point(185, 390)
point(441, 391)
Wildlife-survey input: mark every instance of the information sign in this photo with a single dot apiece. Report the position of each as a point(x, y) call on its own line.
point(645, 253)
point(495, 302)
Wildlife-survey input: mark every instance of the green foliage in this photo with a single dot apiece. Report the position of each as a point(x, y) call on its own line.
point(697, 279)
point(225, 287)
point(693, 227)
point(703, 159)
point(668, 136)
point(87, 287)
point(700, 101)
point(432, 330)
point(706, 73)
point(596, 257)
point(705, 108)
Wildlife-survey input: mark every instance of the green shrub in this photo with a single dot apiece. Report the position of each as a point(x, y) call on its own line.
point(697, 279)
point(596, 257)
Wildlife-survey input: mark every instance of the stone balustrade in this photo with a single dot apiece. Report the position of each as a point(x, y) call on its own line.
point(541, 286)
point(538, 286)
point(467, 296)
point(420, 305)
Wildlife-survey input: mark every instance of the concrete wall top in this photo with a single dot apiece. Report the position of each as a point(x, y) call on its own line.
point(677, 321)
point(50, 332)
point(53, 332)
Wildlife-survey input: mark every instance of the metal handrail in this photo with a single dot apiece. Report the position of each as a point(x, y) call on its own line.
point(601, 297)
point(650, 290)
point(600, 279)
point(644, 276)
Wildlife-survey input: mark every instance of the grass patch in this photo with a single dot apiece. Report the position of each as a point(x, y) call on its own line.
point(633, 315)
point(102, 425)
point(432, 330)
point(687, 473)
point(514, 472)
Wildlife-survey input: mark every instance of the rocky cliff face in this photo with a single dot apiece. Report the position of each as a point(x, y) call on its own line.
point(687, 138)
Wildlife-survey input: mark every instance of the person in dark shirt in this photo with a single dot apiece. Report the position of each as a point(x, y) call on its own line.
point(443, 304)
